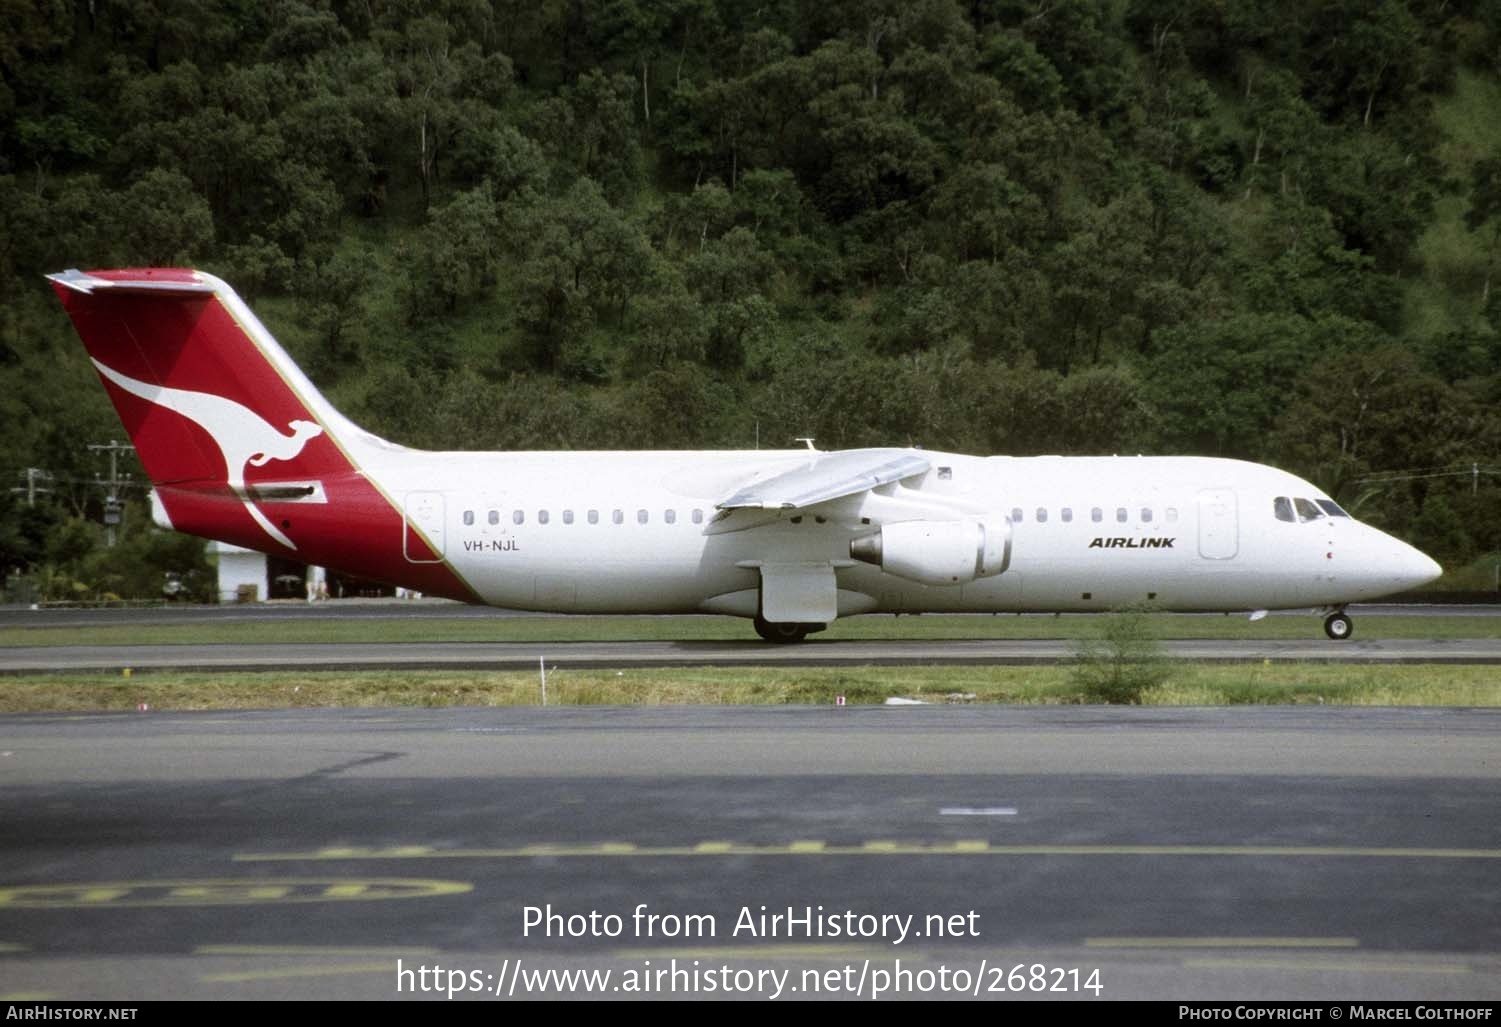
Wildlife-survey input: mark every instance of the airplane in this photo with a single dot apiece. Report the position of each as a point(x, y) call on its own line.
point(240, 446)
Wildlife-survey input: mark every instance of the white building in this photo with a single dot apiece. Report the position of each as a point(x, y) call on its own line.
point(242, 573)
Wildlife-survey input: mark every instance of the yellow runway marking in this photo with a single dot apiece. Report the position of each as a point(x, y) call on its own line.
point(309, 950)
point(872, 848)
point(298, 971)
point(1323, 965)
point(226, 892)
point(1221, 943)
point(6, 947)
point(27, 996)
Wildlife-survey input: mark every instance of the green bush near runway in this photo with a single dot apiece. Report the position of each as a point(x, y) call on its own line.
point(1124, 663)
point(687, 629)
point(1192, 684)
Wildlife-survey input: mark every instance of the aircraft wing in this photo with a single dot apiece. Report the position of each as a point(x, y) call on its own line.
point(828, 476)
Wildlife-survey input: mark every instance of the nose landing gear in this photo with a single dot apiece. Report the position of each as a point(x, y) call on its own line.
point(1338, 626)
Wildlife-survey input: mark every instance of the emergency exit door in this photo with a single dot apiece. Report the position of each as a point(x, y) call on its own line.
point(1219, 528)
point(422, 541)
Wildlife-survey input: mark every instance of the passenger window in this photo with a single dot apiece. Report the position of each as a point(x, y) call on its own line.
point(1042, 515)
point(617, 516)
point(494, 516)
point(1120, 514)
point(518, 516)
point(1307, 511)
point(641, 516)
point(1097, 515)
point(670, 516)
point(567, 516)
point(1016, 515)
point(1146, 515)
point(541, 516)
point(698, 517)
point(1283, 508)
point(1068, 515)
point(468, 516)
point(1172, 514)
point(593, 516)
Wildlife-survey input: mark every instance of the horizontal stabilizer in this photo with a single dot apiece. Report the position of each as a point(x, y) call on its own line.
point(829, 476)
point(170, 282)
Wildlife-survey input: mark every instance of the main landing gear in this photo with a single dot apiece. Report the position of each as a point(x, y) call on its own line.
point(785, 633)
point(1338, 626)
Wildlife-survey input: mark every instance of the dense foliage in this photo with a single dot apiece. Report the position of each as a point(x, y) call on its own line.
point(1265, 229)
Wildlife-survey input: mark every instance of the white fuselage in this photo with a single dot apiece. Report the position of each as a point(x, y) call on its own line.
point(242, 447)
point(599, 532)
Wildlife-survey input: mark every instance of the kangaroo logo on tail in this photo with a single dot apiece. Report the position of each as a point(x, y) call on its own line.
point(242, 435)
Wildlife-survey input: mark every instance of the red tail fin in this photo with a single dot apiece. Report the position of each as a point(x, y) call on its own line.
point(239, 444)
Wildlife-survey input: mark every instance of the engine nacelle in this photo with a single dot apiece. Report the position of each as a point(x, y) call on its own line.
point(939, 552)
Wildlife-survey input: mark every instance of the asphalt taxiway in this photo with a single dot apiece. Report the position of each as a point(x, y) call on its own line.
point(1184, 853)
point(813, 653)
point(1484, 648)
point(444, 609)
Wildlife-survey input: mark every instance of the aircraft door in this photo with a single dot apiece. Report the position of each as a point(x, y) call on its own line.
point(423, 537)
point(1219, 529)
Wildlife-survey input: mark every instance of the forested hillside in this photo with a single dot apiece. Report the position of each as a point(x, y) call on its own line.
point(1266, 229)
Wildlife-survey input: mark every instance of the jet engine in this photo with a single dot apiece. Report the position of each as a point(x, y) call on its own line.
point(938, 552)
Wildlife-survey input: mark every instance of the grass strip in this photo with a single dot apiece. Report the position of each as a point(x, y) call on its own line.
point(1190, 684)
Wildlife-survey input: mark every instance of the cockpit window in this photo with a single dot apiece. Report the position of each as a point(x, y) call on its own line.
point(1307, 511)
point(1331, 508)
point(1284, 509)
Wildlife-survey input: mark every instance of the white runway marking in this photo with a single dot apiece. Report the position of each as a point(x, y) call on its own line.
point(978, 811)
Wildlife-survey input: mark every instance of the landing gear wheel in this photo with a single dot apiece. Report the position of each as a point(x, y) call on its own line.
point(783, 634)
point(1338, 627)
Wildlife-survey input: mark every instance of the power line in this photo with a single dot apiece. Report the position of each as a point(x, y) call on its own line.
point(1473, 472)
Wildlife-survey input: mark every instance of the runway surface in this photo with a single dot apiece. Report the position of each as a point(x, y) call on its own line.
point(1182, 853)
point(813, 653)
point(420, 609)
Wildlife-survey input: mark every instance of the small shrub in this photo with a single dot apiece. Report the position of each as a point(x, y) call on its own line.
point(1120, 665)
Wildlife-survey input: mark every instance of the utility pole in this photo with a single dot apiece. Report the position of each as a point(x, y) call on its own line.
point(33, 475)
point(112, 505)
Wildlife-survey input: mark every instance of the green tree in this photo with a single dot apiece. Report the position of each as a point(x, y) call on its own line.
point(455, 257)
point(1375, 409)
point(665, 322)
point(163, 220)
point(577, 258)
point(1285, 129)
point(591, 128)
point(1484, 215)
point(1220, 388)
point(443, 77)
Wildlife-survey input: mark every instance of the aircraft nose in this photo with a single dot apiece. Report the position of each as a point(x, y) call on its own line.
point(1414, 567)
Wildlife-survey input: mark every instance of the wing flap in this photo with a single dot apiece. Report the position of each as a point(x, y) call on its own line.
point(828, 476)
